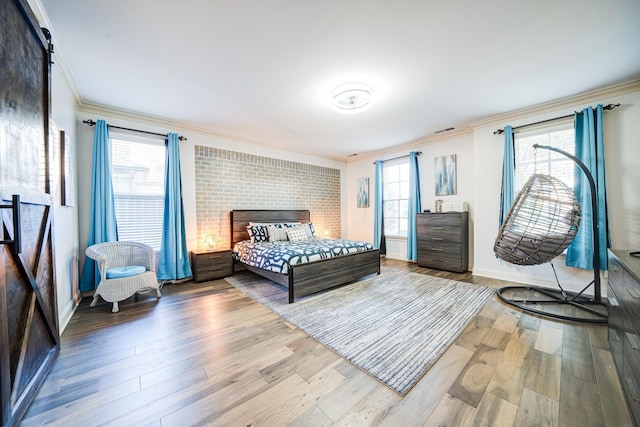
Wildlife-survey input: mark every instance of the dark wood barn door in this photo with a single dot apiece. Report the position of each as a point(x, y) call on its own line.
point(29, 337)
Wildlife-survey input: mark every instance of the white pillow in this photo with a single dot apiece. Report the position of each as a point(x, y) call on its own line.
point(277, 234)
point(296, 234)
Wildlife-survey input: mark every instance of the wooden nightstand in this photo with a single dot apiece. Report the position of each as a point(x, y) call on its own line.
point(211, 264)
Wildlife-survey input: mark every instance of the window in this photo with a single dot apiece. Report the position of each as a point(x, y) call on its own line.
point(396, 197)
point(544, 161)
point(138, 186)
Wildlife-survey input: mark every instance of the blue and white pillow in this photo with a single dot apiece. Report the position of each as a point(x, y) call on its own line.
point(258, 233)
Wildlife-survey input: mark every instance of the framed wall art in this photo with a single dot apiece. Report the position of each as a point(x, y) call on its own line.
point(66, 170)
point(363, 193)
point(445, 167)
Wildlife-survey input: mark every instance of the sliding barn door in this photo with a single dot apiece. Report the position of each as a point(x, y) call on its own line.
point(29, 341)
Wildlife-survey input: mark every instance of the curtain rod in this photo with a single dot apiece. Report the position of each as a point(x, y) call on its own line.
point(90, 122)
point(400, 157)
point(606, 107)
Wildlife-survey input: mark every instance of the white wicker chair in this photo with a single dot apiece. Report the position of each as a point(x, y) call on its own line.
point(122, 254)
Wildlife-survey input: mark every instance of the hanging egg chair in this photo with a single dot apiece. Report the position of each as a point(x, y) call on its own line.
point(541, 223)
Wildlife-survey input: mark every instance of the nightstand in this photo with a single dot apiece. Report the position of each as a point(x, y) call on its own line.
point(208, 264)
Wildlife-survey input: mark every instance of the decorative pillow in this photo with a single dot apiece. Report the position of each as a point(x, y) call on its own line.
point(258, 233)
point(296, 234)
point(277, 234)
point(308, 228)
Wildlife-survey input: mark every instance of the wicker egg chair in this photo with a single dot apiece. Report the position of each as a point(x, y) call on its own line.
point(541, 223)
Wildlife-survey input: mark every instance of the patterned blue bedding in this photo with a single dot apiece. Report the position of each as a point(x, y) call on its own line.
point(278, 256)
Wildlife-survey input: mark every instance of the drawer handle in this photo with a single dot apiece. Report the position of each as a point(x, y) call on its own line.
point(613, 301)
point(633, 340)
point(634, 293)
point(214, 269)
point(437, 238)
point(437, 228)
point(633, 389)
point(437, 249)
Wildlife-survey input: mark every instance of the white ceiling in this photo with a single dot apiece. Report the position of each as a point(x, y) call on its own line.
point(264, 70)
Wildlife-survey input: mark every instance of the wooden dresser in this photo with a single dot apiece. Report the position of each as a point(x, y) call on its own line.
point(211, 264)
point(623, 294)
point(443, 240)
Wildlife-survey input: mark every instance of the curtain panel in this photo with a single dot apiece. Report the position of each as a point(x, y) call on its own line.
point(507, 194)
point(589, 149)
point(102, 225)
point(378, 219)
point(414, 207)
point(174, 257)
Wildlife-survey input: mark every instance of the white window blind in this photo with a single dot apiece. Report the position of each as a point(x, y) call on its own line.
point(138, 186)
point(396, 197)
point(544, 161)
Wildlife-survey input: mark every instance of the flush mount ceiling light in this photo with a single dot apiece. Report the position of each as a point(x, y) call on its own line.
point(352, 98)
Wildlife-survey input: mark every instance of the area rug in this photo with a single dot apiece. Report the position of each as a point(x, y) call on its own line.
point(394, 326)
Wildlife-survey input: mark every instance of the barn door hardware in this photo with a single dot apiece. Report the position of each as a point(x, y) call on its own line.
point(15, 207)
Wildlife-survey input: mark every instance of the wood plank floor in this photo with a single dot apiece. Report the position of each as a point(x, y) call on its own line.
point(205, 354)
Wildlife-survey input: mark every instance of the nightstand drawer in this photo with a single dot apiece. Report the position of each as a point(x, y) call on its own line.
point(210, 265)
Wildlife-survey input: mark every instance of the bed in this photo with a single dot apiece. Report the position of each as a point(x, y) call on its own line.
point(309, 277)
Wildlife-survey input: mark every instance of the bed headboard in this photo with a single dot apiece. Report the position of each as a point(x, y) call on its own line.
point(241, 218)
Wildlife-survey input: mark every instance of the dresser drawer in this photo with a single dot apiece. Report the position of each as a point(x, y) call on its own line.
point(616, 324)
point(630, 375)
point(441, 263)
point(440, 220)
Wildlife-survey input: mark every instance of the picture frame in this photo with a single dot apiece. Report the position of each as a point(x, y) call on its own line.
point(445, 171)
point(67, 184)
point(363, 193)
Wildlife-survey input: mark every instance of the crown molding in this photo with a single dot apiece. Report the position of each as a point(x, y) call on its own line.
point(416, 143)
point(175, 126)
point(564, 103)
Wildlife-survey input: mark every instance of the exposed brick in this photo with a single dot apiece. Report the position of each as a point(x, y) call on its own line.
point(227, 180)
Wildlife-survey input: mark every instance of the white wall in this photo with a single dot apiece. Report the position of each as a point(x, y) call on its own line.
point(360, 220)
point(63, 111)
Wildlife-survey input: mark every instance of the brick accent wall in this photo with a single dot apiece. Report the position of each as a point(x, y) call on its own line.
point(228, 180)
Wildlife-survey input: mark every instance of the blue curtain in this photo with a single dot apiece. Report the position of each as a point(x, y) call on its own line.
point(174, 258)
point(590, 150)
point(508, 171)
point(102, 226)
point(378, 215)
point(414, 207)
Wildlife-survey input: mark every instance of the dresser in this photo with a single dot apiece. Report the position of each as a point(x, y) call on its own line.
point(443, 240)
point(211, 264)
point(623, 295)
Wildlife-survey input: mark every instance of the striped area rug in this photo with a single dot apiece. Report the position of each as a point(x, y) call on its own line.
point(394, 326)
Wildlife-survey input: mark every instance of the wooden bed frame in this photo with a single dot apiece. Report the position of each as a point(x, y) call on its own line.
point(311, 277)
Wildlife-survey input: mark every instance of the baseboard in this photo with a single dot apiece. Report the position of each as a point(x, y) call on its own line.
point(66, 314)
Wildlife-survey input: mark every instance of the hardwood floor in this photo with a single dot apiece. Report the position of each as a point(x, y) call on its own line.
point(205, 354)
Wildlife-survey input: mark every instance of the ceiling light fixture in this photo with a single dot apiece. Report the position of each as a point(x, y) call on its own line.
point(352, 98)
